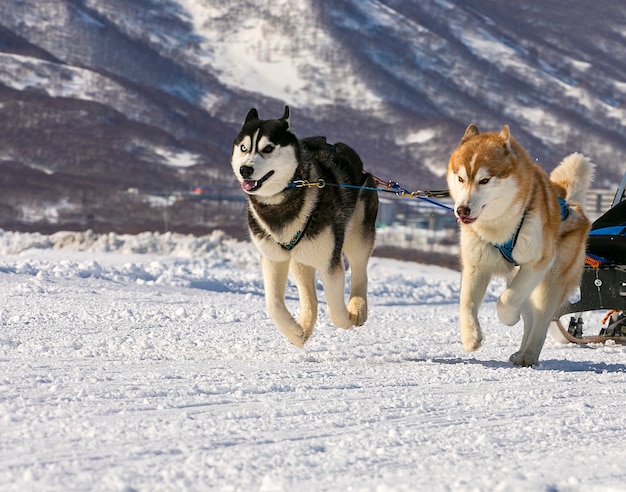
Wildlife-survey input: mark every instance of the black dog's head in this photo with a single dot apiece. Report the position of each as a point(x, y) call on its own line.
point(265, 154)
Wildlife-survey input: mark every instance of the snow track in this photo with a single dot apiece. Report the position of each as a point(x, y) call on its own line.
point(126, 371)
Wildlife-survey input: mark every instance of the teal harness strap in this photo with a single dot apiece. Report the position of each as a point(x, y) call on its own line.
point(297, 236)
point(506, 249)
point(564, 208)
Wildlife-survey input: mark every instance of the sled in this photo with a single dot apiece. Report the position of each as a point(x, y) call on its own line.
point(603, 284)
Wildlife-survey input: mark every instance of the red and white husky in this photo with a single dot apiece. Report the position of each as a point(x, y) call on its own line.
point(517, 222)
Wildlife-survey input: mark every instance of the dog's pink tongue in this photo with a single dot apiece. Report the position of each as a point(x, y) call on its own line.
point(248, 185)
point(465, 220)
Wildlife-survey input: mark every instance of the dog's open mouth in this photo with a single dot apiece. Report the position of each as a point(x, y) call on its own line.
point(251, 185)
point(465, 220)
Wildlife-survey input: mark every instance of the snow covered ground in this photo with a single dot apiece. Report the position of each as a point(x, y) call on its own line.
point(147, 363)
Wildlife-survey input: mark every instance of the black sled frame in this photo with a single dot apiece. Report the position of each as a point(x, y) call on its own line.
point(603, 284)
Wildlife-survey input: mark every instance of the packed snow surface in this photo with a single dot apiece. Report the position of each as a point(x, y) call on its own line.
point(148, 363)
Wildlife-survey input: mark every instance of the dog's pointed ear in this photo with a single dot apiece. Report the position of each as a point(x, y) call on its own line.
point(470, 131)
point(252, 115)
point(286, 119)
point(505, 135)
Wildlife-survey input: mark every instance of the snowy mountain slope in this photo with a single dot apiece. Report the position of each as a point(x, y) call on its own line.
point(477, 62)
point(398, 80)
point(285, 49)
point(148, 363)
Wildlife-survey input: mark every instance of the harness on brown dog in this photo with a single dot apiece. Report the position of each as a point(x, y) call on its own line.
point(506, 249)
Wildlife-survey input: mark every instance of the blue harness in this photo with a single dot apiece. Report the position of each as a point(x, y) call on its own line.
point(507, 248)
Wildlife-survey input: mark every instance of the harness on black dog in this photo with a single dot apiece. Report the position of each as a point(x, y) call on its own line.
point(297, 236)
point(506, 249)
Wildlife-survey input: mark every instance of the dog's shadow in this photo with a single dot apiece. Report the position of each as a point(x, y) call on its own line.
point(544, 365)
point(580, 366)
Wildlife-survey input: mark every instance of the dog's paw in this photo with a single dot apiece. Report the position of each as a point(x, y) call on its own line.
point(472, 342)
point(340, 320)
point(295, 334)
point(346, 325)
point(357, 309)
point(471, 334)
point(307, 324)
point(507, 312)
point(523, 359)
point(298, 341)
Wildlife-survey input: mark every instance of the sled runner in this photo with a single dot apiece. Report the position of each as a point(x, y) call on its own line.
point(603, 284)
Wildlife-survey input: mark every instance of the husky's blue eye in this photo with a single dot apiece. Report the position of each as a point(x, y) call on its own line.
point(484, 181)
point(243, 148)
point(268, 149)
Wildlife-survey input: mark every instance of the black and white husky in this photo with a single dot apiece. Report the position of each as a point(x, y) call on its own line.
point(306, 229)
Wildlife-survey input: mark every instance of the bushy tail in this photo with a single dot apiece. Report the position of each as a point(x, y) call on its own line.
point(574, 174)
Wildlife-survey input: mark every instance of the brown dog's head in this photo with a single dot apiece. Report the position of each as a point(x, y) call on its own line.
point(485, 174)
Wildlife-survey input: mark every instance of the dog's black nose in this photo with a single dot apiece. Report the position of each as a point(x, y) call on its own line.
point(463, 212)
point(246, 171)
